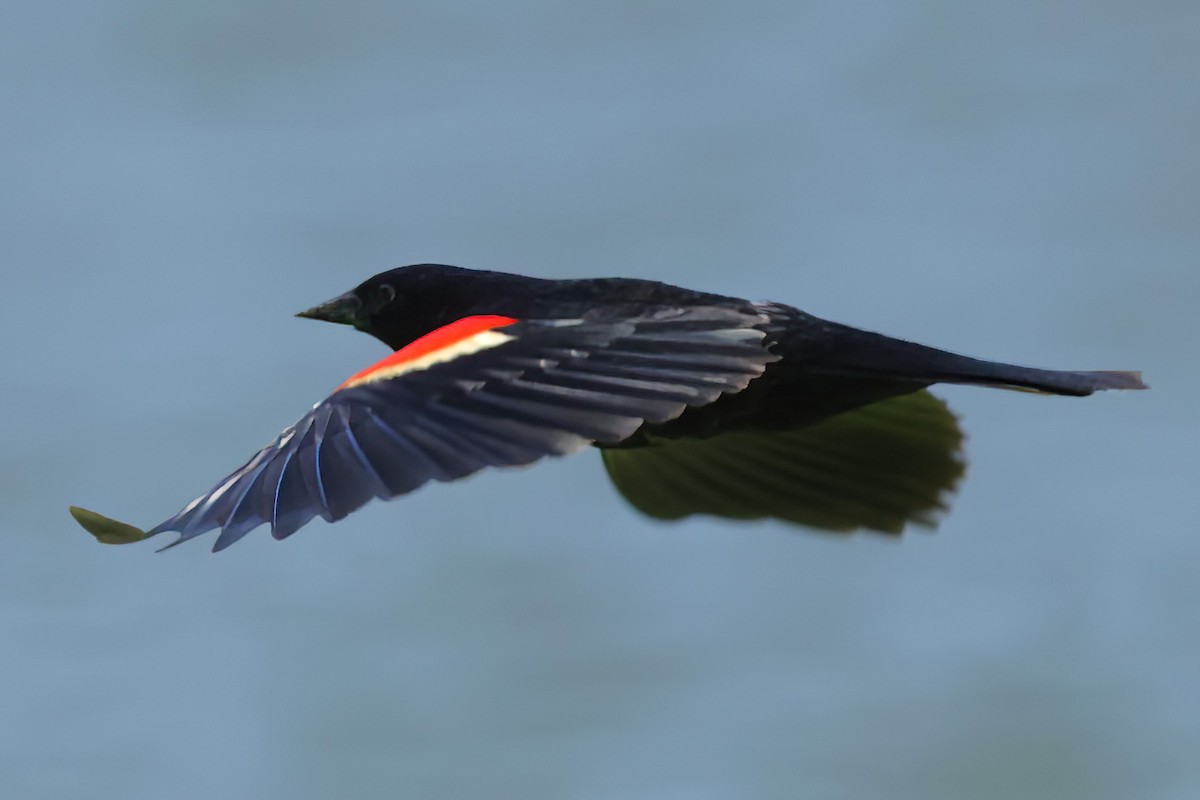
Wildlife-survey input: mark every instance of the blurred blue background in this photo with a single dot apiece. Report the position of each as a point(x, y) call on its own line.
point(1016, 181)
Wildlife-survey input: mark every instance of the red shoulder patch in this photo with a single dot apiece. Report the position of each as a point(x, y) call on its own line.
point(460, 338)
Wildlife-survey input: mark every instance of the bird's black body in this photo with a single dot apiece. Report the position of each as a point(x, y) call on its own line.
point(701, 403)
point(824, 367)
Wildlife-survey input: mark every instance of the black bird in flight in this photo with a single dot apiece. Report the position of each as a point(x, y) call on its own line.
point(699, 404)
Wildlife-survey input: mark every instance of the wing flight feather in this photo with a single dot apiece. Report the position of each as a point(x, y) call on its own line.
point(543, 388)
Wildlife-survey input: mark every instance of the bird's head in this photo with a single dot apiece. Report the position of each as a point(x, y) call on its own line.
point(402, 304)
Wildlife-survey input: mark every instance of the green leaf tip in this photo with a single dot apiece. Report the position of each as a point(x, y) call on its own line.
point(105, 529)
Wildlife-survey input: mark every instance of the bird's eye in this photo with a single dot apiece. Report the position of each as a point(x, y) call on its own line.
point(387, 293)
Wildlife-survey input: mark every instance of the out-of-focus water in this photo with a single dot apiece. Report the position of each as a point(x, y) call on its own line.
point(1014, 180)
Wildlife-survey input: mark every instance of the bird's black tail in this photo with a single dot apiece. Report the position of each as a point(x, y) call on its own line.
point(849, 351)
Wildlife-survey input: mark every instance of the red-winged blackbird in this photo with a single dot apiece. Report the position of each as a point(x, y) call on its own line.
point(699, 403)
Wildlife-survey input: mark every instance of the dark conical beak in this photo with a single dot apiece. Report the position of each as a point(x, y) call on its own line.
point(343, 309)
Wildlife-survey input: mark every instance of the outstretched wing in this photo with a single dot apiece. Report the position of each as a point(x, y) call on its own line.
point(482, 392)
point(878, 467)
